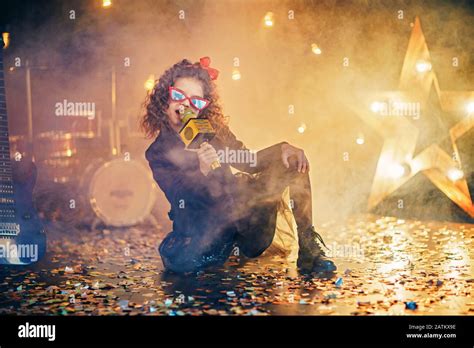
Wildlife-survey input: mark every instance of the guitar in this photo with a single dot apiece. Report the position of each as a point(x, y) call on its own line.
point(22, 237)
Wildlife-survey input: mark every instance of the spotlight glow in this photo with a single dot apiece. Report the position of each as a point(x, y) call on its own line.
point(454, 174)
point(423, 66)
point(106, 3)
point(376, 106)
point(470, 107)
point(396, 171)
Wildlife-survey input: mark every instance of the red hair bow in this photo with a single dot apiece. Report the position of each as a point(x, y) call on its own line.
point(205, 62)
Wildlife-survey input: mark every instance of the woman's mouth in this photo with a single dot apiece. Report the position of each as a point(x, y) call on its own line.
point(185, 113)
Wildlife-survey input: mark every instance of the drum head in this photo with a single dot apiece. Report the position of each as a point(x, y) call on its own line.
point(122, 193)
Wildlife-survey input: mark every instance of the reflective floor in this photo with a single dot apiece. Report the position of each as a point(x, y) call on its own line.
point(385, 266)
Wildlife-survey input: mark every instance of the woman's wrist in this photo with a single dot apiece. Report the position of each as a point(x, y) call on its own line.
point(204, 169)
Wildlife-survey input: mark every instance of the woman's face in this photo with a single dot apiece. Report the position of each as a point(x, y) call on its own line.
point(192, 87)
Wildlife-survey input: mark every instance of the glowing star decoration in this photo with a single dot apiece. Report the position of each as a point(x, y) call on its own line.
point(393, 114)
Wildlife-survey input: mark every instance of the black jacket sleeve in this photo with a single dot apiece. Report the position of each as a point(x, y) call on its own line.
point(187, 184)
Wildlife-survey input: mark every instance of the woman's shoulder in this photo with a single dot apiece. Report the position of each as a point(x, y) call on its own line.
point(167, 149)
point(156, 148)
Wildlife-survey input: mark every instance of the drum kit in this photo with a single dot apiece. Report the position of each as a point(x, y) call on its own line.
point(113, 188)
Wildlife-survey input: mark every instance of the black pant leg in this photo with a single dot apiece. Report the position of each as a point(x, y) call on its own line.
point(259, 199)
point(273, 181)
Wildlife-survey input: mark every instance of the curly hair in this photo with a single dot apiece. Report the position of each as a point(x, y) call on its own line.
point(157, 101)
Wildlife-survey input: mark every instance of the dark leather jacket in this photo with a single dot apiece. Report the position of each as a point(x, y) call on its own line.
point(200, 202)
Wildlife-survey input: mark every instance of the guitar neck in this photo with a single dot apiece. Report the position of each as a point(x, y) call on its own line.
point(5, 164)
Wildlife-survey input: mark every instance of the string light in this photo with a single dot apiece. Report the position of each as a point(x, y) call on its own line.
point(236, 74)
point(301, 128)
point(268, 19)
point(315, 48)
point(150, 83)
point(454, 174)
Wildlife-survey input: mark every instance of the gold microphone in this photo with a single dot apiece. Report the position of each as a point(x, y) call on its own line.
point(196, 131)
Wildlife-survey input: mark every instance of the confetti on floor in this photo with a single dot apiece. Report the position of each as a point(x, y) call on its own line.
point(385, 266)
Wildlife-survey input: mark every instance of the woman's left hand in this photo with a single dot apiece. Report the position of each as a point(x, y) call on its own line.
point(288, 150)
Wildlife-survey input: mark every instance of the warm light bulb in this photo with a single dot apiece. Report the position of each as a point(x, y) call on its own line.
point(397, 171)
point(315, 49)
point(376, 106)
point(268, 19)
point(236, 74)
point(301, 128)
point(150, 83)
point(423, 66)
point(106, 3)
point(360, 140)
point(454, 174)
point(470, 107)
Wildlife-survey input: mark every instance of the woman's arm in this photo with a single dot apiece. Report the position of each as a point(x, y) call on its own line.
point(187, 184)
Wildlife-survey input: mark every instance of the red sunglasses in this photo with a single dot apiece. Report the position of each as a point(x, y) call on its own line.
point(196, 102)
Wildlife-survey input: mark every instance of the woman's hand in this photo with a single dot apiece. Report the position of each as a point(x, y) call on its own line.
point(288, 150)
point(207, 155)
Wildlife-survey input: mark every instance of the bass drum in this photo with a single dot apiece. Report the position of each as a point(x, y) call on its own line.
point(120, 192)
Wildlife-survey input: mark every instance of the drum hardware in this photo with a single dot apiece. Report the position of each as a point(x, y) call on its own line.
point(19, 147)
point(56, 155)
point(120, 192)
point(114, 198)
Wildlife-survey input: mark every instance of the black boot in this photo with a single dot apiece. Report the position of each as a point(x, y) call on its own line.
point(311, 257)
